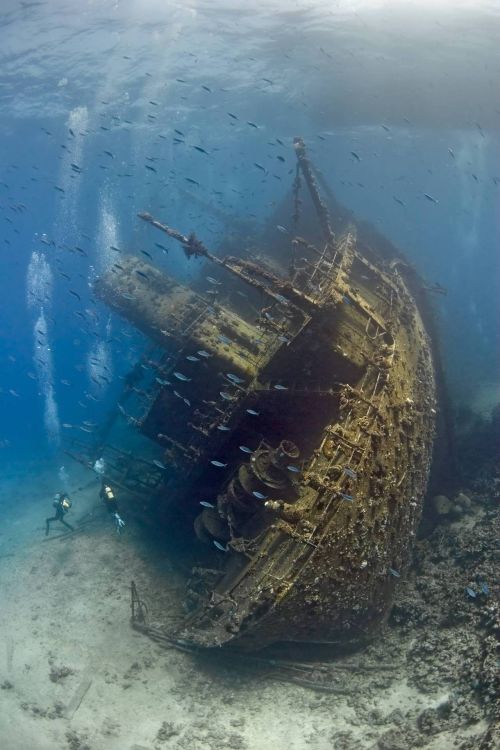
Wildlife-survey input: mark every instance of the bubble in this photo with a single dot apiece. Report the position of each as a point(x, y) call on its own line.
point(39, 281)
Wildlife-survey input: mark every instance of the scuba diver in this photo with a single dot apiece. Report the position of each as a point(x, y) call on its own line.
point(108, 497)
point(62, 504)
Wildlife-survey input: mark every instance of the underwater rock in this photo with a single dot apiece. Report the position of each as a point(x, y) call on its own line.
point(442, 505)
point(59, 673)
point(77, 742)
point(431, 720)
point(398, 739)
point(167, 731)
point(463, 501)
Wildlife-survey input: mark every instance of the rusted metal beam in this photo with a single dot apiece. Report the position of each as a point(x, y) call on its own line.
point(251, 273)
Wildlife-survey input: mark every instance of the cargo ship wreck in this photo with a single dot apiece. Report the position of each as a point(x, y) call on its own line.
point(296, 433)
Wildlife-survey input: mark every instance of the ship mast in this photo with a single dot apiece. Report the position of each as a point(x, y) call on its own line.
point(251, 273)
point(262, 278)
point(321, 209)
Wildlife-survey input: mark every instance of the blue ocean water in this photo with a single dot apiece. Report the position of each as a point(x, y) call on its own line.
point(188, 111)
point(411, 90)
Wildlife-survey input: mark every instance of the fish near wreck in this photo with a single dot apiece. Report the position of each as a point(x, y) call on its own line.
point(334, 391)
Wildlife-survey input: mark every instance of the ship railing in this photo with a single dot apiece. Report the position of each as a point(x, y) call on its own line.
point(369, 322)
point(122, 467)
point(326, 259)
point(352, 450)
point(276, 342)
point(353, 446)
point(353, 460)
point(319, 291)
point(205, 305)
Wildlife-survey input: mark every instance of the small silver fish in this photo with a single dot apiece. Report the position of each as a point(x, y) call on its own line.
point(224, 339)
point(280, 387)
point(282, 229)
point(218, 464)
point(159, 464)
point(203, 353)
point(349, 498)
point(182, 377)
point(252, 412)
point(163, 382)
point(225, 396)
point(206, 504)
point(283, 339)
point(125, 295)
point(211, 280)
point(294, 469)
point(223, 428)
point(220, 546)
point(187, 401)
point(176, 393)
point(192, 358)
point(244, 449)
point(431, 198)
point(234, 378)
point(259, 495)
point(394, 573)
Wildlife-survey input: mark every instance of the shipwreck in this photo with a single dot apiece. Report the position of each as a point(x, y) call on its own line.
point(296, 423)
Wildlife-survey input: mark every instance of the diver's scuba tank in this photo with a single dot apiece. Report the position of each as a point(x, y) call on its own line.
point(110, 495)
point(61, 500)
point(66, 503)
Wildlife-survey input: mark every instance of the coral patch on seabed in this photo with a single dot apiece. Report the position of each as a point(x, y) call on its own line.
point(75, 676)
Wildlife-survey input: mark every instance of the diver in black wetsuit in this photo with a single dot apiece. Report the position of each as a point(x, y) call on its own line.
point(62, 504)
point(108, 497)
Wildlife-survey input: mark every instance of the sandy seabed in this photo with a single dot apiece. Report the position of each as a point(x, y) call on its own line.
point(74, 674)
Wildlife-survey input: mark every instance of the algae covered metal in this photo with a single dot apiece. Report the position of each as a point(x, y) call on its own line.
point(304, 427)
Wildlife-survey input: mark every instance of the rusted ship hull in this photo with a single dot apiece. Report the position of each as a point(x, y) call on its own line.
point(311, 428)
